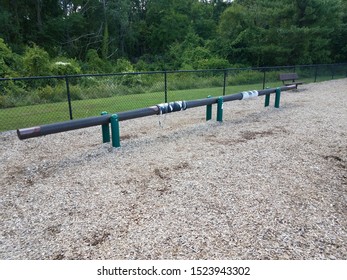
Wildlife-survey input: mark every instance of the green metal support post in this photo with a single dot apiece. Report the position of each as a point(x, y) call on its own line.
point(220, 109)
point(277, 97)
point(208, 110)
point(115, 131)
point(105, 131)
point(267, 100)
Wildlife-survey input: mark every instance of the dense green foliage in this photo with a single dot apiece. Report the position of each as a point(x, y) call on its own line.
point(96, 36)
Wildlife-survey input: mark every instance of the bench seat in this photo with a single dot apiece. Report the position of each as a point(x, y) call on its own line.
point(289, 79)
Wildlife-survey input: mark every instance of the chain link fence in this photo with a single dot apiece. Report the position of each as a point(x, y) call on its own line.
point(31, 101)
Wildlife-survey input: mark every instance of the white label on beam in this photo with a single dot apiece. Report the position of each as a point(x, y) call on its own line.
point(249, 94)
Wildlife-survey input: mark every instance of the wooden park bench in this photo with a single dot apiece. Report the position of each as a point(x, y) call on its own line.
point(290, 79)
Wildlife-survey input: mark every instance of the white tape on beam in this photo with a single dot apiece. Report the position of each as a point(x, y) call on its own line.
point(249, 94)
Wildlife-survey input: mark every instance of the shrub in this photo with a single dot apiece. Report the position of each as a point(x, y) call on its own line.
point(213, 63)
point(85, 81)
point(95, 64)
point(46, 93)
point(246, 77)
point(12, 94)
point(36, 62)
point(10, 62)
point(141, 66)
point(2, 101)
point(52, 94)
point(272, 76)
point(76, 93)
point(123, 66)
point(65, 66)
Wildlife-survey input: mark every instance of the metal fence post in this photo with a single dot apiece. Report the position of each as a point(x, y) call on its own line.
point(264, 78)
point(68, 96)
point(315, 74)
point(165, 86)
point(225, 81)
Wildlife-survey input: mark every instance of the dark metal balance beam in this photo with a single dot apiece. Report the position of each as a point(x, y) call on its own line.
point(163, 108)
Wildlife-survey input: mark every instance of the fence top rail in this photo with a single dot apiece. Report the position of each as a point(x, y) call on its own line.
point(265, 68)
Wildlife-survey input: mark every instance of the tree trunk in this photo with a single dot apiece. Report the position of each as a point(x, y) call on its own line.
point(38, 4)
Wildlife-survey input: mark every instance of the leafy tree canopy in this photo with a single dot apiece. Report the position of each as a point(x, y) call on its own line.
point(167, 34)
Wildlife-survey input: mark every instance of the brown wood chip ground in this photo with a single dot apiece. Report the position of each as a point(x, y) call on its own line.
point(265, 184)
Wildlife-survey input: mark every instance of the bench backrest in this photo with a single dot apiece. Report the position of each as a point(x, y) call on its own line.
point(288, 76)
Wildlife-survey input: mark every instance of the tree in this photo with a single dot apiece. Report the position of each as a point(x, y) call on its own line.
point(167, 24)
point(265, 32)
point(339, 36)
point(251, 32)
